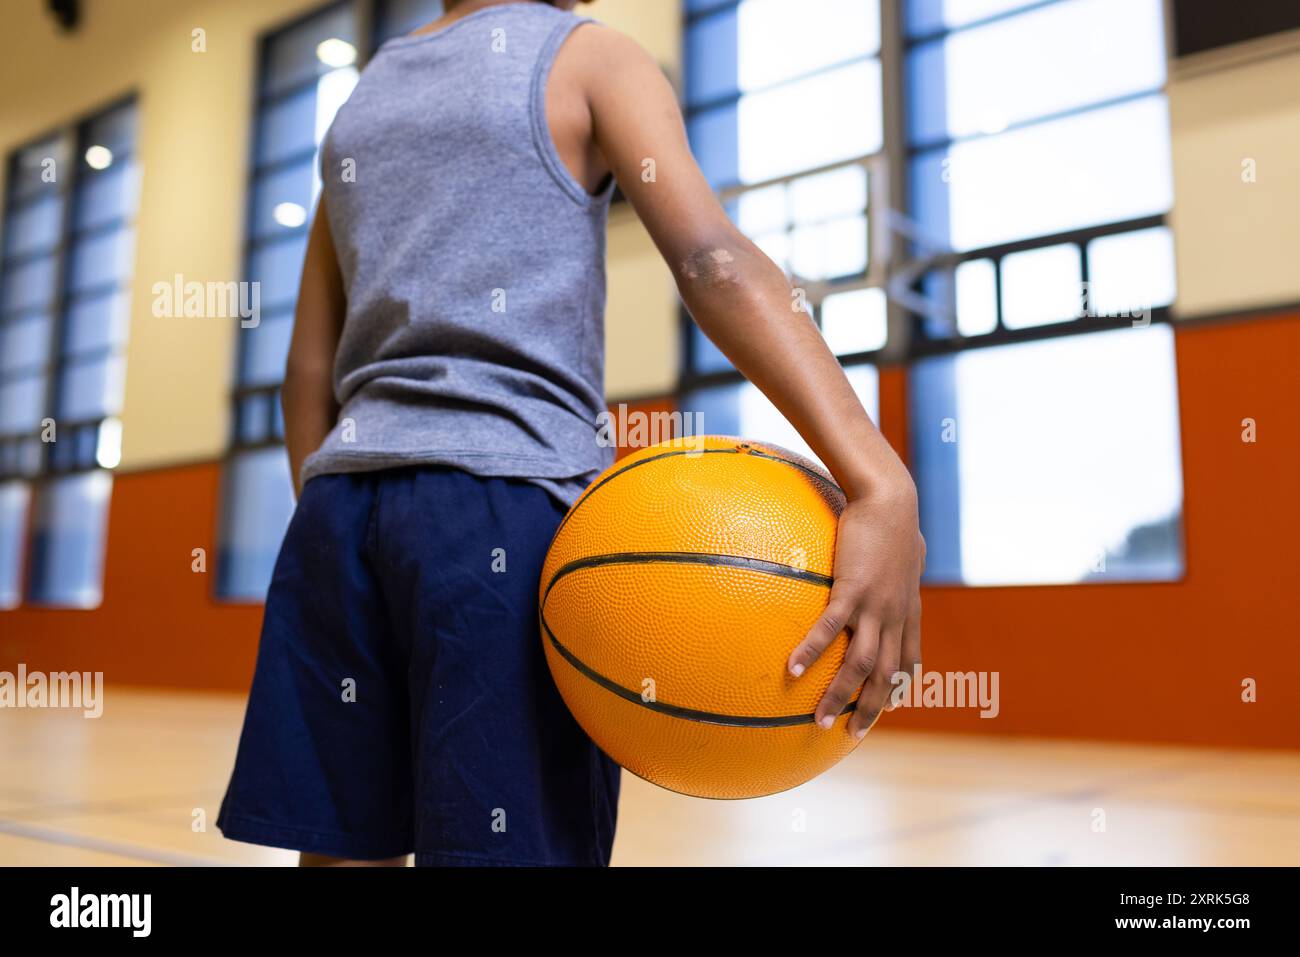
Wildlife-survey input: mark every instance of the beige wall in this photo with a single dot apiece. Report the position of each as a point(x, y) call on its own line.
point(195, 127)
point(1237, 243)
point(642, 332)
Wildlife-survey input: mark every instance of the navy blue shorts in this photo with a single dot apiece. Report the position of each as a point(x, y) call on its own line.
point(401, 700)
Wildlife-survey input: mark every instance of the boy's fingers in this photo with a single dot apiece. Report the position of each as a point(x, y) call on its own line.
point(911, 659)
point(826, 629)
point(880, 683)
point(859, 663)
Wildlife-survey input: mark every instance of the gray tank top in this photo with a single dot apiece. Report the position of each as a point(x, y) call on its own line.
point(472, 259)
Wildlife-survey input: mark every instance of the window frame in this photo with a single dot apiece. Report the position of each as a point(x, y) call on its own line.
point(81, 436)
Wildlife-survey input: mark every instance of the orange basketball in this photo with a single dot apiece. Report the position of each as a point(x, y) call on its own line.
point(672, 596)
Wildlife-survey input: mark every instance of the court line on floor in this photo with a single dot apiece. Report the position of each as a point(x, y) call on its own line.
point(136, 852)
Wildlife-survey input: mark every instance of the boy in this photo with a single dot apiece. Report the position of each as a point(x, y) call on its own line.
point(441, 400)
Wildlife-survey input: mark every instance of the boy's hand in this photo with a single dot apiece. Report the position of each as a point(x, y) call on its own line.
point(879, 557)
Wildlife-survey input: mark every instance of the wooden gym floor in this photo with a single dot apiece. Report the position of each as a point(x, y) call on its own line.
point(123, 790)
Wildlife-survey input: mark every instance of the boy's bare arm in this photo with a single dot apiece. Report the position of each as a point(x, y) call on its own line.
point(744, 303)
point(307, 396)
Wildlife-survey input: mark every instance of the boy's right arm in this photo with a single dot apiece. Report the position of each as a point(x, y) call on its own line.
point(307, 396)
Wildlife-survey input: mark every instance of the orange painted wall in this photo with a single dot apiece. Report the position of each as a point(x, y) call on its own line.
point(1140, 662)
point(1165, 662)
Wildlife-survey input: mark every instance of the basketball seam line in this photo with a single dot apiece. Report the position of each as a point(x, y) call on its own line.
point(677, 711)
point(759, 565)
point(735, 450)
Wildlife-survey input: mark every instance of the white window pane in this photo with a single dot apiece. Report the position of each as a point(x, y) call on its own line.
point(68, 540)
point(14, 499)
point(855, 321)
point(1041, 286)
point(780, 40)
point(743, 410)
point(1101, 166)
point(776, 246)
point(762, 210)
point(977, 296)
point(332, 91)
point(924, 16)
point(1046, 61)
point(1131, 273)
point(830, 250)
point(828, 195)
point(823, 119)
point(1067, 459)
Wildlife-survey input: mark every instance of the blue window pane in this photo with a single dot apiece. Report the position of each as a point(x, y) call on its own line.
point(24, 344)
point(22, 402)
point(34, 227)
point(106, 196)
point(706, 357)
point(287, 128)
point(1130, 273)
point(30, 286)
point(254, 418)
point(258, 503)
point(292, 56)
point(399, 17)
point(100, 261)
point(68, 538)
point(38, 169)
point(283, 200)
point(277, 268)
point(743, 410)
point(1100, 166)
point(929, 16)
point(715, 141)
point(96, 322)
point(265, 349)
point(15, 497)
point(779, 40)
point(91, 388)
point(703, 6)
point(711, 59)
point(823, 119)
point(1041, 286)
point(1049, 60)
point(1080, 484)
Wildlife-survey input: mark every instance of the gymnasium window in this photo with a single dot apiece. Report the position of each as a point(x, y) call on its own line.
point(307, 71)
point(1037, 147)
point(64, 312)
point(784, 111)
point(1033, 139)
